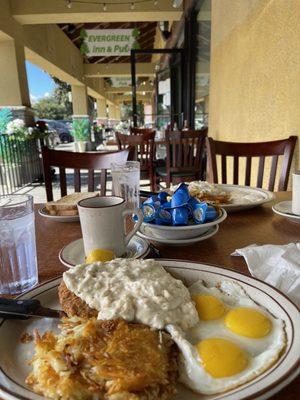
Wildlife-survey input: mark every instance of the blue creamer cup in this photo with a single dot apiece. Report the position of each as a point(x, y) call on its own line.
point(149, 212)
point(199, 213)
point(166, 205)
point(152, 200)
point(192, 203)
point(162, 197)
point(180, 215)
point(163, 217)
point(211, 214)
point(181, 196)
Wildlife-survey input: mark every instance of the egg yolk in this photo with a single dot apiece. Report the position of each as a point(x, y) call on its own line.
point(208, 307)
point(248, 322)
point(221, 358)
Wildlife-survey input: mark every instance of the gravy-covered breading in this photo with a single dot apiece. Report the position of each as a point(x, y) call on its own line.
point(72, 305)
point(105, 360)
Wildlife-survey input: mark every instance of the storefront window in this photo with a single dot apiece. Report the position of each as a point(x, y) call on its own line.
point(203, 34)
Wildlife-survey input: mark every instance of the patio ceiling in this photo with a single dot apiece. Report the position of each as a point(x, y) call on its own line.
point(146, 38)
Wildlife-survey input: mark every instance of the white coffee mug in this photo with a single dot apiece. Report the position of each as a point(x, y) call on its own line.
point(296, 193)
point(102, 221)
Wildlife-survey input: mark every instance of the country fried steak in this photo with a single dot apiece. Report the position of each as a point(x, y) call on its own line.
point(72, 305)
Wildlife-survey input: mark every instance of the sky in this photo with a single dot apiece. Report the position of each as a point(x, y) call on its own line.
point(40, 83)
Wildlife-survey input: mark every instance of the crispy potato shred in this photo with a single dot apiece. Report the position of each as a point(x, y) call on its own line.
point(113, 360)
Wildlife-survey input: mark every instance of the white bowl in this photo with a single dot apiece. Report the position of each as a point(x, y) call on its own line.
point(181, 232)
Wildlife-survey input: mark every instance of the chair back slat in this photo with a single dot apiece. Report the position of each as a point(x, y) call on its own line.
point(63, 181)
point(235, 170)
point(91, 180)
point(262, 150)
point(142, 131)
point(184, 150)
point(103, 179)
point(143, 145)
point(248, 171)
point(224, 169)
point(260, 173)
point(77, 180)
point(273, 173)
point(79, 161)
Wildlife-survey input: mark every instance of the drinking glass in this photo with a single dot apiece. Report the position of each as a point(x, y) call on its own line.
point(18, 261)
point(126, 182)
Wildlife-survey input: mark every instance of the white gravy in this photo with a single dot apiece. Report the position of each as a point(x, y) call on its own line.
point(135, 290)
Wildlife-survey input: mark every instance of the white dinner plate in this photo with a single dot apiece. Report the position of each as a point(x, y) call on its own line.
point(244, 197)
point(73, 253)
point(178, 242)
point(181, 232)
point(58, 218)
point(14, 354)
point(284, 208)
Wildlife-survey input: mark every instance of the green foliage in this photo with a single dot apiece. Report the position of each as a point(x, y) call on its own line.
point(83, 34)
point(50, 108)
point(81, 129)
point(84, 48)
point(5, 117)
point(61, 94)
point(136, 46)
point(135, 33)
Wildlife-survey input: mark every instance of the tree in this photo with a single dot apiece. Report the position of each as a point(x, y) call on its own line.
point(61, 94)
point(49, 108)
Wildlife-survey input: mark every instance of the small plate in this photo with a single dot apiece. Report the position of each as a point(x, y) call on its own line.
point(73, 253)
point(179, 242)
point(284, 208)
point(14, 355)
point(58, 218)
point(181, 232)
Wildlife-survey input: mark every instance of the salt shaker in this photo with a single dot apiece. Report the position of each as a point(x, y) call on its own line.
point(296, 193)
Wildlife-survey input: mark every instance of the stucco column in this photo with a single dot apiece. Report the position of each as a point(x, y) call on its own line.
point(101, 109)
point(118, 113)
point(14, 92)
point(80, 101)
point(111, 112)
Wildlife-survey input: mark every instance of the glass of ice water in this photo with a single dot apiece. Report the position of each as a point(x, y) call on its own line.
point(18, 261)
point(126, 182)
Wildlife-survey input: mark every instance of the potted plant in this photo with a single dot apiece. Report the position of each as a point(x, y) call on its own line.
point(81, 133)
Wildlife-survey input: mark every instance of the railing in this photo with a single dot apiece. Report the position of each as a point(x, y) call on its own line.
point(20, 164)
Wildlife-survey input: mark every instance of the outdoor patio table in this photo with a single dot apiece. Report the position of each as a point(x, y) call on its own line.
point(259, 225)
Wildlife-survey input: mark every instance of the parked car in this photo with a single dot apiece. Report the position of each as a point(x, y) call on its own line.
point(61, 128)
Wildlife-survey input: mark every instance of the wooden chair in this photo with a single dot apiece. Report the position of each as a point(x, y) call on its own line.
point(262, 150)
point(143, 145)
point(141, 131)
point(185, 152)
point(78, 161)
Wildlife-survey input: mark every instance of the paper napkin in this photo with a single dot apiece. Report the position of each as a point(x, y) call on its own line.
point(278, 265)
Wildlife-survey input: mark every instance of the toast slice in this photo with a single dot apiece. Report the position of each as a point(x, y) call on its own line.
point(67, 205)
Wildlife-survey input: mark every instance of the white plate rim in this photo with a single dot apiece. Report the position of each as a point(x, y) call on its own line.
point(58, 218)
point(283, 214)
point(180, 228)
point(231, 274)
point(208, 234)
point(68, 265)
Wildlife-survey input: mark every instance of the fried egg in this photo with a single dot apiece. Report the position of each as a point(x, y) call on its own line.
point(235, 340)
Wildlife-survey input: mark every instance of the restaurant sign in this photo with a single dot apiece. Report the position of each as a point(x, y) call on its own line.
point(109, 42)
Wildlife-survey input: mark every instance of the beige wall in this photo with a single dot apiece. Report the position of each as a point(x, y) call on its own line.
point(255, 70)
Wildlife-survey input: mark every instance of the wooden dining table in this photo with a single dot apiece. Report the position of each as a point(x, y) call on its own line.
point(258, 225)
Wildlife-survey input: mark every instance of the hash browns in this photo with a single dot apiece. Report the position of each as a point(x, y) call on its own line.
point(109, 360)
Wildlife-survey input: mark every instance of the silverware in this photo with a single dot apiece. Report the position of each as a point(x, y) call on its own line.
point(24, 309)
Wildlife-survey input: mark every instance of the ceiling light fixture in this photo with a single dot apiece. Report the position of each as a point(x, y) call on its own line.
point(155, 2)
point(69, 4)
point(132, 6)
point(104, 7)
